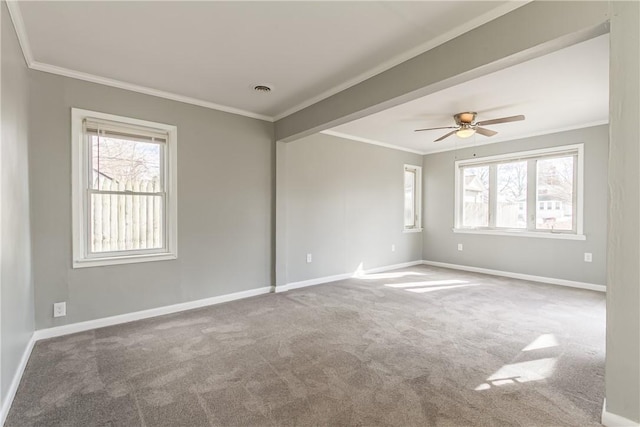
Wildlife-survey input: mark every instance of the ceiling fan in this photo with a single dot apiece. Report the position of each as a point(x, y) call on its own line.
point(466, 125)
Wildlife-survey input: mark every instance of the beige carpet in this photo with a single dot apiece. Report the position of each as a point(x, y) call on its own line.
point(419, 346)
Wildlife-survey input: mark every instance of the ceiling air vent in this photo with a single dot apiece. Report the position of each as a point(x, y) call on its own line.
point(262, 88)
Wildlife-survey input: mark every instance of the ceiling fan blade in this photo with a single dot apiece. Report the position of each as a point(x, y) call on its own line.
point(501, 120)
point(485, 131)
point(445, 136)
point(446, 127)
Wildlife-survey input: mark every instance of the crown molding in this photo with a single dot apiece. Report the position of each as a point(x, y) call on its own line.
point(519, 137)
point(370, 141)
point(18, 23)
point(455, 147)
point(405, 56)
point(47, 68)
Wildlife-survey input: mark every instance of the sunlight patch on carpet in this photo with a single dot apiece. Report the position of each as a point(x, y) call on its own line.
point(423, 284)
point(543, 341)
point(396, 275)
point(439, 288)
point(522, 372)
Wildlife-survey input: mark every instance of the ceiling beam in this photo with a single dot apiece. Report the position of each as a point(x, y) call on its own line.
point(530, 31)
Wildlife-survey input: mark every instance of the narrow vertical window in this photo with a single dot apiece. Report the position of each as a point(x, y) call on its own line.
point(124, 190)
point(412, 198)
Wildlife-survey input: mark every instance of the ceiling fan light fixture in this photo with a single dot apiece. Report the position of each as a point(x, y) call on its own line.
point(465, 132)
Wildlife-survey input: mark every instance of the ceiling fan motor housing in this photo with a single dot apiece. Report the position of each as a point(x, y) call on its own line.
point(465, 118)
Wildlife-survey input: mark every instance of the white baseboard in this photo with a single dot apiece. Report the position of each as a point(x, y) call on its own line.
point(336, 277)
point(109, 321)
point(15, 382)
point(387, 268)
point(145, 314)
point(550, 280)
point(312, 282)
point(608, 419)
point(613, 420)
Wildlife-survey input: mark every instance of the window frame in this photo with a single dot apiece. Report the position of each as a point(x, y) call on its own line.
point(531, 156)
point(81, 193)
point(417, 198)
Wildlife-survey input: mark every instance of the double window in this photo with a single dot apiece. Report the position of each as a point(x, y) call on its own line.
point(412, 198)
point(124, 190)
point(536, 193)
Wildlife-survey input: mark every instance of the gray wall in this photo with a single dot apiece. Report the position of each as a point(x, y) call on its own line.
point(224, 205)
point(562, 259)
point(535, 29)
point(111, 290)
point(623, 273)
point(344, 205)
point(16, 290)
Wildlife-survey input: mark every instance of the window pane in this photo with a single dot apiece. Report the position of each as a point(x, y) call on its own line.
point(123, 164)
point(409, 199)
point(126, 222)
point(512, 195)
point(475, 210)
point(555, 191)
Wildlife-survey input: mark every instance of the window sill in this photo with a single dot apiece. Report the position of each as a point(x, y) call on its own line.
point(412, 230)
point(128, 259)
point(535, 234)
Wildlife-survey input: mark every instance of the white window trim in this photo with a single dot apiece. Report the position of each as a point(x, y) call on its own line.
point(522, 233)
point(417, 196)
point(79, 173)
point(577, 235)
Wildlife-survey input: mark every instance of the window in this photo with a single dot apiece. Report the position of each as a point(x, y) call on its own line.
point(534, 193)
point(511, 194)
point(124, 190)
point(412, 198)
point(555, 178)
point(476, 197)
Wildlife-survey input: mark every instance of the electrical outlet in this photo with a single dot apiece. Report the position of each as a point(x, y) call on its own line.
point(59, 309)
point(309, 258)
point(459, 246)
point(588, 257)
point(393, 248)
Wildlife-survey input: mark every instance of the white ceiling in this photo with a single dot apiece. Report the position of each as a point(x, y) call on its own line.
point(567, 89)
point(212, 53)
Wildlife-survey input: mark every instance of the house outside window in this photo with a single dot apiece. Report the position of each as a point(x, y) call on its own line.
point(124, 190)
point(536, 193)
